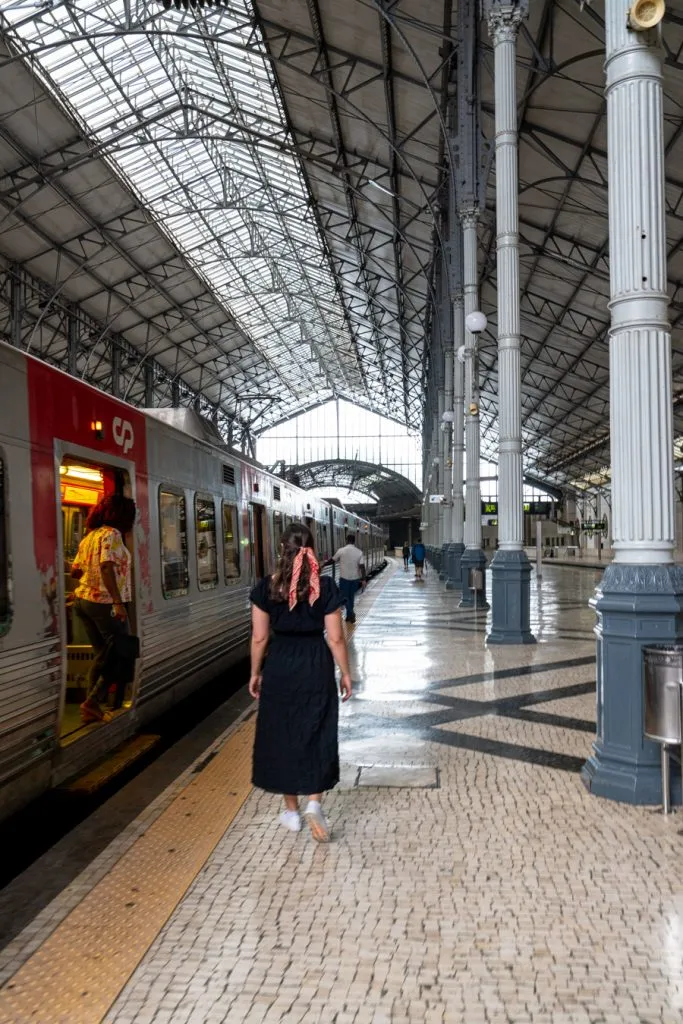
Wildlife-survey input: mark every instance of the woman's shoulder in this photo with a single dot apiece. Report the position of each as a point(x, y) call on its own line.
point(260, 594)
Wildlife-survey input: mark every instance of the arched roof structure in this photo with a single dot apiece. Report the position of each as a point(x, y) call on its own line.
point(241, 206)
point(392, 491)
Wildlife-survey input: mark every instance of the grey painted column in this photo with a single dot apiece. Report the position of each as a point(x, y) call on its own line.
point(473, 557)
point(447, 506)
point(442, 469)
point(510, 569)
point(640, 598)
point(454, 581)
point(434, 485)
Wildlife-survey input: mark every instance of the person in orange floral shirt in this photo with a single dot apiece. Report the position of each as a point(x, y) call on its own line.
point(103, 570)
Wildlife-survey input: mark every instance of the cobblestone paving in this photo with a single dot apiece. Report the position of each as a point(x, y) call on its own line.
point(507, 894)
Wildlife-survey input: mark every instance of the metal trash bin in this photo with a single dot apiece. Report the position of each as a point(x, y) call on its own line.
point(663, 716)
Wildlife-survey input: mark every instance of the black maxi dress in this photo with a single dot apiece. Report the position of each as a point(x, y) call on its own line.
point(296, 749)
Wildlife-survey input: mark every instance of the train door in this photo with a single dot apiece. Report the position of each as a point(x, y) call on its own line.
point(257, 515)
point(82, 483)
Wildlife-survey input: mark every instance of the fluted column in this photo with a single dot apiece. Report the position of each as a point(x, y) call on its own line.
point(458, 517)
point(640, 597)
point(473, 556)
point(510, 570)
point(448, 460)
point(442, 468)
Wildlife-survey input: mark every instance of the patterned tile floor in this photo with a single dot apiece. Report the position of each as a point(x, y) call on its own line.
point(491, 888)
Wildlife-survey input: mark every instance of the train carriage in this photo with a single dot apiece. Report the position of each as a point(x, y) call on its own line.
point(209, 525)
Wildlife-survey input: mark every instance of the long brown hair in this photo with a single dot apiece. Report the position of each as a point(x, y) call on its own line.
point(295, 537)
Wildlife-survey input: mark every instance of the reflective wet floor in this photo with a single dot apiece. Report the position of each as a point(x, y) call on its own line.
point(471, 878)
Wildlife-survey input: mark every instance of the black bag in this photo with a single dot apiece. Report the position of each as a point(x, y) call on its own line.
point(119, 661)
point(126, 646)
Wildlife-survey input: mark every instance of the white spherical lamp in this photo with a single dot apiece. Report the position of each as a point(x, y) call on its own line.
point(448, 416)
point(475, 322)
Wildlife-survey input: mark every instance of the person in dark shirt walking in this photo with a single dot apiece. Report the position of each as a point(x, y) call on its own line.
point(406, 555)
point(419, 559)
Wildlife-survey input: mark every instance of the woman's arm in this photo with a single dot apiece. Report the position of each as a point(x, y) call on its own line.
point(337, 643)
point(260, 632)
point(109, 579)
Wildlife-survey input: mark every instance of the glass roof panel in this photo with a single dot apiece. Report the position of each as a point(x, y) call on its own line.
point(195, 126)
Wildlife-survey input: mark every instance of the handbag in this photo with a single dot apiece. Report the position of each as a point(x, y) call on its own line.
point(119, 661)
point(126, 646)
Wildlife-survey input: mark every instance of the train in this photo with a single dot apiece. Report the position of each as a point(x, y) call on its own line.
point(209, 524)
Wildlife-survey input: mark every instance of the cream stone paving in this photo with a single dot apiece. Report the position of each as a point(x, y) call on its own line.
point(507, 894)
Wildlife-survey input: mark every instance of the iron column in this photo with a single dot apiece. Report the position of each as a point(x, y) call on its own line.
point(454, 581)
point(473, 559)
point(510, 569)
point(469, 198)
point(640, 598)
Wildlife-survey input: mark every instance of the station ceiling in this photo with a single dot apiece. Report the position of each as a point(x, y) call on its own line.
point(250, 197)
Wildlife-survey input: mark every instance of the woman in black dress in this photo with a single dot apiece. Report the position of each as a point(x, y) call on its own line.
point(296, 748)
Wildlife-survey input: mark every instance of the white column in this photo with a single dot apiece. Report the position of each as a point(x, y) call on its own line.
point(442, 464)
point(472, 440)
point(504, 23)
point(448, 447)
point(640, 343)
point(638, 602)
point(458, 514)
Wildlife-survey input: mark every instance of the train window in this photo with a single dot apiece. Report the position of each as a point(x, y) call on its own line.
point(205, 539)
point(5, 609)
point(231, 543)
point(175, 580)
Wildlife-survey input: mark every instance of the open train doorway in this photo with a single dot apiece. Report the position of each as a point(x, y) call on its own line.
point(257, 536)
point(82, 484)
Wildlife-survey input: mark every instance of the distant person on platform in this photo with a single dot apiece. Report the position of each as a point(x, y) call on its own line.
point(419, 559)
point(351, 573)
point(406, 555)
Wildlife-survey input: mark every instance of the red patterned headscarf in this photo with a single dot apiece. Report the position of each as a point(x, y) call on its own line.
point(314, 581)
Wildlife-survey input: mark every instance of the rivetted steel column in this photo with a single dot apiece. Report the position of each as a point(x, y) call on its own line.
point(434, 488)
point(640, 598)
point(442, 464)
point(448, 463)
point(473, 557)
point(469, 198)
point(454, 581)
point(510, 569)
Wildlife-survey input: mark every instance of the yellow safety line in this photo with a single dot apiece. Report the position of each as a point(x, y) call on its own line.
point(81, 968)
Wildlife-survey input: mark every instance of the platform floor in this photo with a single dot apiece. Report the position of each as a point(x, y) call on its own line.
point(470, 879)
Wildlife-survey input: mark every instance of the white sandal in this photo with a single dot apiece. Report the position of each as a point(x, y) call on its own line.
point(291, 820)
point(316, 821)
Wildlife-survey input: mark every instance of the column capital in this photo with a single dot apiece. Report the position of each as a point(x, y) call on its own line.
point(504, 19)
point(469, 216)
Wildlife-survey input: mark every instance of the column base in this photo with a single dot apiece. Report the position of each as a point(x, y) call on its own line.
point(443, 562)
point(636, 605)
point(510, 599)
point(473, 558)
point(453, 559)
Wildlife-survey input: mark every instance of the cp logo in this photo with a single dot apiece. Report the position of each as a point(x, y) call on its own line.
point(122, 432)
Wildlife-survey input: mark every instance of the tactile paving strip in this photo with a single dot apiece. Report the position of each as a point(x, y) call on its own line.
point(80, 969)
